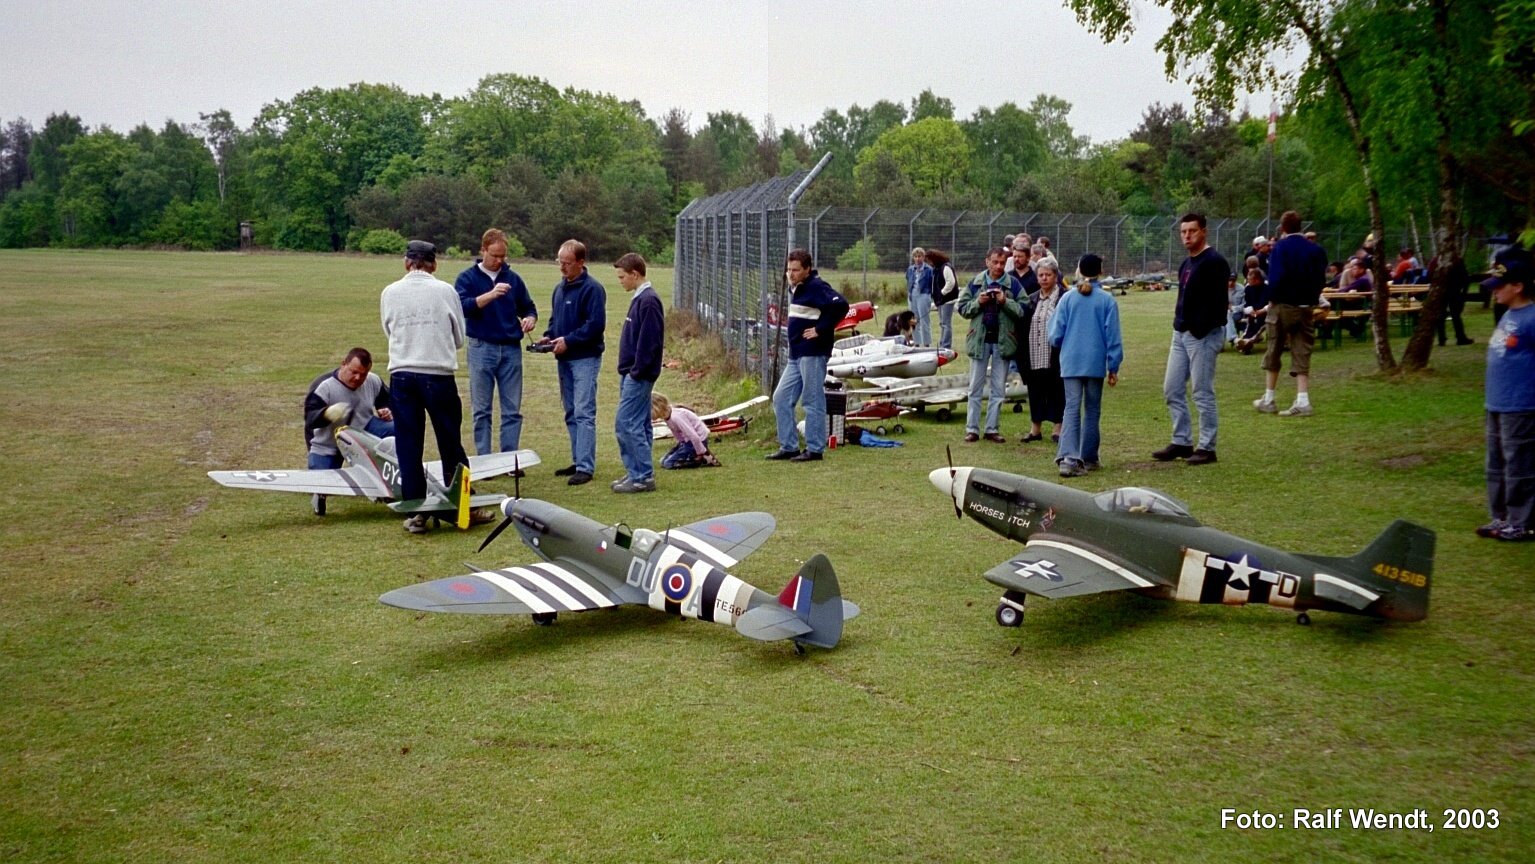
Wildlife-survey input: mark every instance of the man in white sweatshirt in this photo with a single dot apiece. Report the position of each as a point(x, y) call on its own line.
point(424, 321)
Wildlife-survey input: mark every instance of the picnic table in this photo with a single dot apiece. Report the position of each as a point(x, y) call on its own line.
point(1405, 304)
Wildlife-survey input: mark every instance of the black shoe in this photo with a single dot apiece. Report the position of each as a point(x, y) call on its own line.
point(565, 472)
point(805, 456)
point(579, 478)
point(1173, 451)
point(1201, 457)
point(1030, 437)
point(781, 455)
point(1465, 341)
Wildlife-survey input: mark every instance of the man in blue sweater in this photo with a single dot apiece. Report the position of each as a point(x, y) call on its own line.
point(1297, 271)
point(497, 311)
point(815, 310)
point(576, 321)
point(639, 365)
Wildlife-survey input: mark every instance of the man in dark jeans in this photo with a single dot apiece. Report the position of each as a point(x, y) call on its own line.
point(424, 321)
point(1199, 331)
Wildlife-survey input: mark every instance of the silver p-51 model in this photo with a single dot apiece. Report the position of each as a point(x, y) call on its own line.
point(1133, 539)
point(373, 472)
point(935, 391)
point(681, 571)
point(865, 356)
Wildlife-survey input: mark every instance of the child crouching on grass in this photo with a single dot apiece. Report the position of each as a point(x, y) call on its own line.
point(692, 450)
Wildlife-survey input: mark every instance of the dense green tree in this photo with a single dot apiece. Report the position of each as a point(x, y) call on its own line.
point(1006, 143)
point(1050, 115)
point(47, 158)
point(934, 154)
point(15, 152)
point(928, 104)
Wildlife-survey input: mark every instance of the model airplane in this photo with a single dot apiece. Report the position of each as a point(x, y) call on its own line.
point(373, 472)
point(1133, 539)
point(857, 313)
point(681, 571)
point(912, 363)
point(937, 391)
point(721, 422)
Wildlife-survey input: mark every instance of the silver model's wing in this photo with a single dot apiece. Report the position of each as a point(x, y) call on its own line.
point(1056, 567)
point(561, 585)
point(351, 480)
point(942, 397)
point(725, 412)
point(725, 540)
point(491, 464)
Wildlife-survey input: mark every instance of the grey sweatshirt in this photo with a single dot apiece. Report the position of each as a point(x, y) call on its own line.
point(425, 324)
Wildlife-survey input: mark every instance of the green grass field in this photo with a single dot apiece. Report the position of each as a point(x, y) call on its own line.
point(198, 674)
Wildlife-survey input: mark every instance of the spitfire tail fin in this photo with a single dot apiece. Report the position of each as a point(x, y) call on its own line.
point(461, 486)
point(1400, 561)
point(816, 597)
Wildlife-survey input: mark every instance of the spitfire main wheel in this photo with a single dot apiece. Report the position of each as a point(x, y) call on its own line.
point(544, 619)
point(1303, 619)
point(1009, 615)
point(944, 414)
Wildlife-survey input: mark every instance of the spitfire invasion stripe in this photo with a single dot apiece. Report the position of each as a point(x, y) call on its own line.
point(521, 594)
point(720, 559)
point(574, 584)
point(709, 594)
point(544, 587)
point(1096, 559)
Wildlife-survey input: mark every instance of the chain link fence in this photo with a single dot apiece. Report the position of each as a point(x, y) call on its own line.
point(731, 249)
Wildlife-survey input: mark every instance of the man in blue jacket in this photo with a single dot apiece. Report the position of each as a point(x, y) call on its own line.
point(815, 310)
point(1297, 269)
point(497, 311)
point(639, 365)
point(576, 321)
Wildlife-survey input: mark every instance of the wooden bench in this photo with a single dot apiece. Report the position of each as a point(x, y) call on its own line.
point(1404, 305)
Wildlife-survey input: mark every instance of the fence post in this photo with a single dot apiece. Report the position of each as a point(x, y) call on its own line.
point(954, 232)
point(990, 232)
point(911, 232)
point(863, 261)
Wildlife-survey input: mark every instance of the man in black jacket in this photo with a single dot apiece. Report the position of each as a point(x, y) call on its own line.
point(1199, 331)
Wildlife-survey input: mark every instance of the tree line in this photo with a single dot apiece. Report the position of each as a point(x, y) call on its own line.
point(358, 167)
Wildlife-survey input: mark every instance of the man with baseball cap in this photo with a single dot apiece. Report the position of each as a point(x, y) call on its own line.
point(1510, 400)
point(424, 321)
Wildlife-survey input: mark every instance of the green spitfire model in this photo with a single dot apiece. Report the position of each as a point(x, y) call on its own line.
point(681, 571)
point(1132, 539)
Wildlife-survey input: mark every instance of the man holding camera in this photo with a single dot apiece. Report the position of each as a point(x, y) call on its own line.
point(993, 305)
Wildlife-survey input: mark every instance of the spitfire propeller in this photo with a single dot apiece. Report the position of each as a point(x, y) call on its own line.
point(516, 495)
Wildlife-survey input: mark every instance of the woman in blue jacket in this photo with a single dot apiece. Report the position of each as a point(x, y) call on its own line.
point(1085, 328)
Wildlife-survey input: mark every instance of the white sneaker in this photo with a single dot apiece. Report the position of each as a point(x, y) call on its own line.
point(1296, 411)
point(1265, 406)
point(416, 524)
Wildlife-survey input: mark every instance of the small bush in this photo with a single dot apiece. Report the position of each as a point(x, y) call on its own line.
point(859, 256)
point(382, 241)
point(514, 247)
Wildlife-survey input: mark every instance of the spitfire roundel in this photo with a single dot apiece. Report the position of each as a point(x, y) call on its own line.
point(677, 583)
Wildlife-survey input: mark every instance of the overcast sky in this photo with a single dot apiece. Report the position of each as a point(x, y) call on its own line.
point(122, 63)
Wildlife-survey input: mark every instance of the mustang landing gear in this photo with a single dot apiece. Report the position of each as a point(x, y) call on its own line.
point(1010, 609)
point(544, 619)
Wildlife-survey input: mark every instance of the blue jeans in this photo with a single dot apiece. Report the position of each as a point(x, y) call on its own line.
point(1079, 426)
point(1511, 467)
point(921, 302)
point(322, 461)
point(495, 367)
point(992, 369)
point(631, 426)
point(1192, 360)
point(946, 325)
point(413, 396)
point(375, 427)
point(681, 456)
point(803, 381)
point(578, 393)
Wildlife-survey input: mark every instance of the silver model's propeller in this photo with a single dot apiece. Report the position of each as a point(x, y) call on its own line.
point(949, 455)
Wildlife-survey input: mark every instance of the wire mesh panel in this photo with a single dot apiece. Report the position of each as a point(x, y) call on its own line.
point(731, 249)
